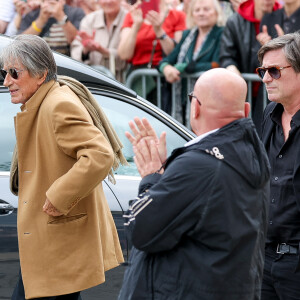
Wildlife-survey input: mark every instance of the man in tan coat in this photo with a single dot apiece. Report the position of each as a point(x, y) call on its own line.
point(67, 237)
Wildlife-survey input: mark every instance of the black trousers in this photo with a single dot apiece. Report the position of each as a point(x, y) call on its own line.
point(19, 293)
point(281, 279)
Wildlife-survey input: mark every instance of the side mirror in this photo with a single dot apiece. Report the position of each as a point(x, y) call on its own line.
point(5, 208)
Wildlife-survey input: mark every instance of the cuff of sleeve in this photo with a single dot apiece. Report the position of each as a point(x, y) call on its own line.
point(181, 67)
point(214, 64)
point(162, 66)
point(148, 181)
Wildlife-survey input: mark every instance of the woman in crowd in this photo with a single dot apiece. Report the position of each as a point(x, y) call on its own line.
point(198, 49)
point(145, 39)
point(99, 36)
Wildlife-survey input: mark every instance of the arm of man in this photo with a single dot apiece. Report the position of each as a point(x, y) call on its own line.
point(173, 205)
point(69, 28)
point(228, 45)
point(80, 140)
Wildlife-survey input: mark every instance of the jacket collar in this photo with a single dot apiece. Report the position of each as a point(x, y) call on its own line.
point(38, 97)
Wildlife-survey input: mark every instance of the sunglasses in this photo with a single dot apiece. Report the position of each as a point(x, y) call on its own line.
point(12, 72)
point(274, 72)
point(191, 96)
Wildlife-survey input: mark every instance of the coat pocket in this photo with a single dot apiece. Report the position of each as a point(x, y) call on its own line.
point(67, 219)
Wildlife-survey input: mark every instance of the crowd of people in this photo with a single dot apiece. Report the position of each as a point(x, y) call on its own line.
point(175, 37)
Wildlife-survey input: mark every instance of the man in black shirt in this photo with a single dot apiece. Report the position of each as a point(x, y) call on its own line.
point(280, 71)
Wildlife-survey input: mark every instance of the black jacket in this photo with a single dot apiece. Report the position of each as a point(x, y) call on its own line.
point(239, 45)
point(277, 17)
point(200, 227)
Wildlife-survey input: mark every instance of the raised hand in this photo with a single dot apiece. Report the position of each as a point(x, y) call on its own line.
point(263, 37)
point(147, 158)
point(279, 30)
point(143, 131)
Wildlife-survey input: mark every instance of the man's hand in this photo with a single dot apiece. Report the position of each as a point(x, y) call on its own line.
point(142, 130)
point(50, 210)
point(279, 30)
point(147, 157)
point(263, 37)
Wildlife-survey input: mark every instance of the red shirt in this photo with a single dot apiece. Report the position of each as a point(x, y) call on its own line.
point(175, 21)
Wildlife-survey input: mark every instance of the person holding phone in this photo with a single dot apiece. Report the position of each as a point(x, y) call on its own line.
point(22, 7)
point(145, 40)
point(54, 21)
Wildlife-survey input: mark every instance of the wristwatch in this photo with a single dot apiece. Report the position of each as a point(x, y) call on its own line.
point(64, 20)
point(162, 37)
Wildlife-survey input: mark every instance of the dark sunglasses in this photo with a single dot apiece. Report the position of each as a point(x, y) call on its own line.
point(274, 72)
point(191, 96)
point(12, 72)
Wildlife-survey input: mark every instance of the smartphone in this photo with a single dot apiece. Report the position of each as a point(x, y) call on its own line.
point(148, 5)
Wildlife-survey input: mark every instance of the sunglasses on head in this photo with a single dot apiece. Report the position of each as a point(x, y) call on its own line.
point(274, 72)
point(191, 96)
point(12, 72)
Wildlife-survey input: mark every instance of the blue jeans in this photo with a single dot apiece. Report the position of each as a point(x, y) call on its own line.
point(281, 279)
point(19, 293)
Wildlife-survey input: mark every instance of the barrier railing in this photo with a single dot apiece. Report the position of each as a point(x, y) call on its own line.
point(144, 73)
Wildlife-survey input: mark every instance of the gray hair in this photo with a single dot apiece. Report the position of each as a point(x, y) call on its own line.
point(190, 20)
point(33, 53)
point(290, 45)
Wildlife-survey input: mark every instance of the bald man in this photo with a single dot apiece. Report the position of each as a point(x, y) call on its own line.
point(199, 222)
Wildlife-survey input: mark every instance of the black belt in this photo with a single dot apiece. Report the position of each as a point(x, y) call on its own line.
point(286, 249)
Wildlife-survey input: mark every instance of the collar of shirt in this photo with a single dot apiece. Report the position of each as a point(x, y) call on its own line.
point(199, 138)
point(276, 115)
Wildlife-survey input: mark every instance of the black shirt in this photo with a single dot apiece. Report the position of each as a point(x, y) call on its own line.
point(284, 213)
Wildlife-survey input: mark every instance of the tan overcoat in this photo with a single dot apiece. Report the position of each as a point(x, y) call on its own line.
point(64, 157)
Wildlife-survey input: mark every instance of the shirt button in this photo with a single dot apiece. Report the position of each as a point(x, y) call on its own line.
point(276, 178)
point(273, 200)
point(271, 222)
point(280, 156)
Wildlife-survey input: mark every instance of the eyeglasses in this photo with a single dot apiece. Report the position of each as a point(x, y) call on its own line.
point(274, 72)
point(12, 72)
point(191, 96)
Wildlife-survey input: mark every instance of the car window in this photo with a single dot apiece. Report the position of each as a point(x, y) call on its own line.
point(7, 131)
point(117, 111)
point(120, 113)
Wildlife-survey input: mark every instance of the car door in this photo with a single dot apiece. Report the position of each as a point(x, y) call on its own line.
point(119, 109)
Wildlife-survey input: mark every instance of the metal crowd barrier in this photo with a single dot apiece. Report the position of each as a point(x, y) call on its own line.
point(144, 73)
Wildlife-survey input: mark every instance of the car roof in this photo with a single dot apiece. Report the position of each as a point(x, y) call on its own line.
point(83, 73)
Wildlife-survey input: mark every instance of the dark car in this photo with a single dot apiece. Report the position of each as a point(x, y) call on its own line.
point(120, 105)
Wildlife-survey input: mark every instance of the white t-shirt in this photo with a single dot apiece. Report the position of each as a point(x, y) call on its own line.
point(7, 10)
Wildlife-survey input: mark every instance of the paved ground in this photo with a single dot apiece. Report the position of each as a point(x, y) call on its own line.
point(106, 291)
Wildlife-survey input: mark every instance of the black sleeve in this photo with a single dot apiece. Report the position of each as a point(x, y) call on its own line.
point(228, 45)
point(172, 207)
